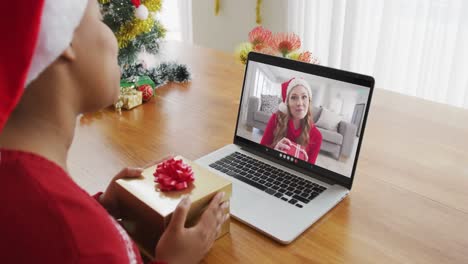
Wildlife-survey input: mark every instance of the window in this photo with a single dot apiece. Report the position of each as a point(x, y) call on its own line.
point(263, 85)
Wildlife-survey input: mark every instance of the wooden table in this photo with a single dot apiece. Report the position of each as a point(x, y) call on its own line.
point(409, 203)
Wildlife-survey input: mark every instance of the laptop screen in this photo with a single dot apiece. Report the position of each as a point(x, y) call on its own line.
point(307, 115)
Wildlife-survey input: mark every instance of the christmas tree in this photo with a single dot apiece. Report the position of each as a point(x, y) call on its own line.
point(137, 29)
point(135, 26)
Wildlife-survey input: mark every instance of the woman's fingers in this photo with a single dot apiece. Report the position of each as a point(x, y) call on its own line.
point(284, 147)
point(222, 212)
point(212, 220)
point(284, 144)
point(286, 141)
point(180, 214)
point(221, 217)
point(210, 216)
point(216, 201)
point(281, 146)
point(129, 173)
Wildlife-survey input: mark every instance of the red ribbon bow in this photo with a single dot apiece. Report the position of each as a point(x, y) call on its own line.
point(173, 175)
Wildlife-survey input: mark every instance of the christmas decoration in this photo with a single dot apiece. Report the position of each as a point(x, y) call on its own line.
point(217, 4)
point(173, 175)
point(137, 81)
point(134, 33)
point(258, 6)
point(242, 51)
point(142, 12)
point(129, 98)
point(260, 38)
point(147, 91)
point(258, 19)
point(285, 43)
point(162, 74)
point(135, 25)
point(281, 44)
point(134, 91)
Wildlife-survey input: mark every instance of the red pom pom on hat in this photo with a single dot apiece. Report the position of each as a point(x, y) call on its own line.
point(136, 3)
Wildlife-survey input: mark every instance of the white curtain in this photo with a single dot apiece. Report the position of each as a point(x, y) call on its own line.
point(185, 14)
point(176, 17)
point(415, 47)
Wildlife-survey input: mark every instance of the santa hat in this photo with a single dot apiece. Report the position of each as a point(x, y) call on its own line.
point(287, 87)
point(35, 33)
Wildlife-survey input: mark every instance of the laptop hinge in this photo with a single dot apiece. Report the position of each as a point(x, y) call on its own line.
point(290, 166)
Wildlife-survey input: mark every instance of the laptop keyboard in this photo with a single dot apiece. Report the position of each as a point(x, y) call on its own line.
point(276, 182)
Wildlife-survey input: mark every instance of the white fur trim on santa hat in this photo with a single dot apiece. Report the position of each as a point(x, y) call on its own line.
point(296, 82)
point(59, 20)
point(283, 107)
point(293, 83)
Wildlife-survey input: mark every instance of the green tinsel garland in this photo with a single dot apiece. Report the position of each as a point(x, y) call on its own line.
point(162, 74)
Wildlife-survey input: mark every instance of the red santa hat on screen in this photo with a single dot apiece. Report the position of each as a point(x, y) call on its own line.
point(35, 33)
point(286, 88)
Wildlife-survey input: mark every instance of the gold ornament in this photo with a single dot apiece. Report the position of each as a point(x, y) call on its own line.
point(258, 18)
point(217, 4)
point(258, 12)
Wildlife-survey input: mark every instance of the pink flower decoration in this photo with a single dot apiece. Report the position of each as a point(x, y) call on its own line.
point(314, 60)
point(268, 50)
point(285, 43)
point(305, 56)
point(259, 37)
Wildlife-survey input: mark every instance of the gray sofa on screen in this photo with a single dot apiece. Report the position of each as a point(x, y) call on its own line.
point(337, 143)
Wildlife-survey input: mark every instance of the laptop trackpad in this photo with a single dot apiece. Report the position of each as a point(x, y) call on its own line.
point(272, 217)
point(245, 203)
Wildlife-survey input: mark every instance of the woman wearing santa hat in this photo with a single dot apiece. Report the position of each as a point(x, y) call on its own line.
point(293, 122)
point(57, 60)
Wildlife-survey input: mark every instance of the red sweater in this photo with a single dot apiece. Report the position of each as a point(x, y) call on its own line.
point(47, 218)
point(315, 137)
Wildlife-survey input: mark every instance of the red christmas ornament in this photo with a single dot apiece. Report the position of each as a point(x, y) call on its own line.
point(147, 91)
point(173, 175)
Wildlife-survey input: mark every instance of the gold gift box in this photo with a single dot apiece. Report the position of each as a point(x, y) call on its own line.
point(147, 211)
point(129, 98)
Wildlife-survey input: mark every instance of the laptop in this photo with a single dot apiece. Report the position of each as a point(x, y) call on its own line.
point(281, 191)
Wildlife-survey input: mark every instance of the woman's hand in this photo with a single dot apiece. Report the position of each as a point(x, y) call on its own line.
point(109, 198)
point(283, 145)
point(189, 245)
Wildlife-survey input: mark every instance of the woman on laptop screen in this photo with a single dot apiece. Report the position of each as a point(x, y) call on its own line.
point(291, 129)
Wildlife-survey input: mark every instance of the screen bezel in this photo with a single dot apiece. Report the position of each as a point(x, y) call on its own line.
point(318, 70)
